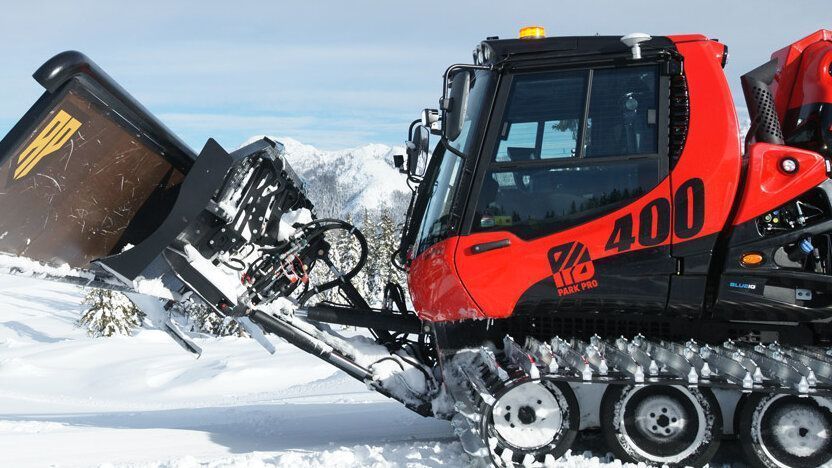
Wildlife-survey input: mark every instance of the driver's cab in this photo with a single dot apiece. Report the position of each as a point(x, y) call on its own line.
point(546, 146)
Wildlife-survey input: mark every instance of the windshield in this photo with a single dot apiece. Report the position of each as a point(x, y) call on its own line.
point(436, 221)
point(482, 82)
point(440, 185)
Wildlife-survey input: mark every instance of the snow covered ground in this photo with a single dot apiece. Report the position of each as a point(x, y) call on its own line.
point(70, 400)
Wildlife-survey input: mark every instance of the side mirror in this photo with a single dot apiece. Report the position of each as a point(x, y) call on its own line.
point(418, 150)
point(457, 104)
point(398, 161)
point(430, 119)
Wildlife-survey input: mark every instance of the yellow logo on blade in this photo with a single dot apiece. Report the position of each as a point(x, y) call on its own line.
point(51, 139)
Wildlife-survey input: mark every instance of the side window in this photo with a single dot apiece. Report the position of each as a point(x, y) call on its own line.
point(560, 138)
point(544, 176)
point(543, 117)
point(623, 112)
point(538, 200)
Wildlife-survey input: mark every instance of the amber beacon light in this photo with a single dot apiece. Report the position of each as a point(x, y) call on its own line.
point(532, 32)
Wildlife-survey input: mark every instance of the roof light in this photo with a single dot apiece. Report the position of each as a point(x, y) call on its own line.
point(532, 32)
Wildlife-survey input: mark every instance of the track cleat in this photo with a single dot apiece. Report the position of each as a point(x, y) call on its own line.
point(542, 354)
point(603, 368)
point(518, 358)
point(758, 376)
point(586, 374)
point(639, 375)
point(748, 381)
point(706, 371)
point(803, 385)
point(693, 377)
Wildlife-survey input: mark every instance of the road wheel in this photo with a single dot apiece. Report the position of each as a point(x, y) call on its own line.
point(782, 431)
point(531, 422)
point(661, 424)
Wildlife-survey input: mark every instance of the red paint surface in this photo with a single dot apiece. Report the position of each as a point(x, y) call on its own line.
point(435, 287)
point(768, 187)
point(803, 72)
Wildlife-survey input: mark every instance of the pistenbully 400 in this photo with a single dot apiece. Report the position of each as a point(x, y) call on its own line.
point(589, 220)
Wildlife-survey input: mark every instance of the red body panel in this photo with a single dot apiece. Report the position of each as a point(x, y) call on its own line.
point(498, 278)
point(493, 281)
point(713, 150)
point(435, 288)
point(804, 74)
point(768, 187)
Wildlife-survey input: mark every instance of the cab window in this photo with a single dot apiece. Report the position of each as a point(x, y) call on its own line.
point(622, 113)
point(573, 146)
point(543, 117)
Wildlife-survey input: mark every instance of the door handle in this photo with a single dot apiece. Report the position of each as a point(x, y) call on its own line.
point(487, 246)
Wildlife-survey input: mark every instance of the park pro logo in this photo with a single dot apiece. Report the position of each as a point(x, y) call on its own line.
point(53, 136)
point(572, 268)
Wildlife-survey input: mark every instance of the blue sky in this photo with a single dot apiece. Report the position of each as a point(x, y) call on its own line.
point(335, 74)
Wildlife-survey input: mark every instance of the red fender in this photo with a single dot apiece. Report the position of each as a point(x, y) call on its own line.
point(767, 186)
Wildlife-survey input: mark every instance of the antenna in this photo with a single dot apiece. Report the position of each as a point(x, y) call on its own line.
point(633, 40)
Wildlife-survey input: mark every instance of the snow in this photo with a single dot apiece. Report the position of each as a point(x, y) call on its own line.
point(29, 267)
point(152, 287)
point(227, 281)
point(288, 221)
point(70, 400)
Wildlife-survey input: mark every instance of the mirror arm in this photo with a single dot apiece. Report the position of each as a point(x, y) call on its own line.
point(444, 141)
point(446, 103)
point(450, 70)
point(411, 127)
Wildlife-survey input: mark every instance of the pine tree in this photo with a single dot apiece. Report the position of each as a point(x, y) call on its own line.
point(376, 260)
point(207, 320)
point(203, 319)
point(386, 245)
point(109, 313)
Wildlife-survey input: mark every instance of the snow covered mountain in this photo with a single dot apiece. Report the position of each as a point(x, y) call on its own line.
point(344, 182)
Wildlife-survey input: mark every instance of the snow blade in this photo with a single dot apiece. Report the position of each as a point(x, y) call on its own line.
point(87, 170)
point(92, 180)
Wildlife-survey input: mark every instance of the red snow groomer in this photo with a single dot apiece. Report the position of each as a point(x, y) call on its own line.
point(590, 243)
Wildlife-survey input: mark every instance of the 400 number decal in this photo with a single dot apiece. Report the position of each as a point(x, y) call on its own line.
point(654, 223)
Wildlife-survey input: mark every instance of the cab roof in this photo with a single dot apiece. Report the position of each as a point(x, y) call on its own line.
point(500, 49)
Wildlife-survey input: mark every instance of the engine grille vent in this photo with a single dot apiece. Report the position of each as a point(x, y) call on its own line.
point(679, 116)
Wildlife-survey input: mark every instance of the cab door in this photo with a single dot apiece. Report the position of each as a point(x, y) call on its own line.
point(571, 206)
